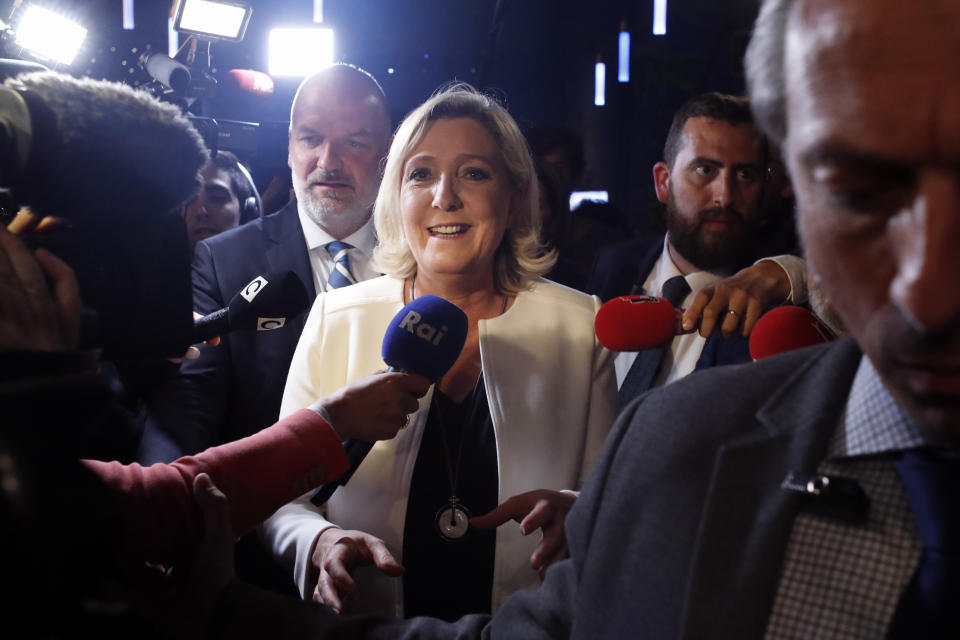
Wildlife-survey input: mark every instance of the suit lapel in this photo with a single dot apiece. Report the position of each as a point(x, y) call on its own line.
point(747, 518)
point(287, 251)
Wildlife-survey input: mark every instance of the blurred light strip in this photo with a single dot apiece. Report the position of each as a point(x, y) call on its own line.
point(173, 39)
point(623, 68)
point(659, 17)
point(128, 24)
point(600, 84)
point(318, 11)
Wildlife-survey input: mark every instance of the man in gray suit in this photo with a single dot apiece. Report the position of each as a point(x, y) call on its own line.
point(799, 496)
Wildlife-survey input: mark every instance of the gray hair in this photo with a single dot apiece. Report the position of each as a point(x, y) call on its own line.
point(764, 62)
point(521, 256)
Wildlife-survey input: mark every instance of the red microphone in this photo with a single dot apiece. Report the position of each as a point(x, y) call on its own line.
point(787, 328)
point(632, 323)
point(250, 81)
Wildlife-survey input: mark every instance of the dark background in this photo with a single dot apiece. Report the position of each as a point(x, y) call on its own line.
point(538, 55)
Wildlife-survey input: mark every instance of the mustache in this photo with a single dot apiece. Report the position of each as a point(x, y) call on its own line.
point(717, 213)
point(319, 175)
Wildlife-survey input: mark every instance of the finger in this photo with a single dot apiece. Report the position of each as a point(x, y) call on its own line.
point(553, 541)
point(692, 313)
point(25, 270)
point(710, 316)
point(212, 342)
point(192, 353)
point(339, 578)
point(216, 509)
point(543, 513)
point(561, 554)
point(384, 560)
point(327, 594)
point(754, 311)
point(736, 308)
point(500, 515)
point(66, 295)
point(418, 385)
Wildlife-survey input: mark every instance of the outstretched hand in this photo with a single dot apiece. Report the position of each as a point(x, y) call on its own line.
point(39, 299)
point(338, 552)
point(735, 304)
point(541, 509)
point(376, 406)
point(213, 560)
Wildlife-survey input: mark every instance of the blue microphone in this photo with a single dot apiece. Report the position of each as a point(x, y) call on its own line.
point(425, 338)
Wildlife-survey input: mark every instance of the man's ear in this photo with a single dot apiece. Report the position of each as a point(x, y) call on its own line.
point(661, 180)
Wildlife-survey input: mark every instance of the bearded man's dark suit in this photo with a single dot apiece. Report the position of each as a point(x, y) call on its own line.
point(682, 527)
point(622, 269)
point(234, 389)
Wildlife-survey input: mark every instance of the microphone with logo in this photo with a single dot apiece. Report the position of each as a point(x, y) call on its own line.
point(425, 338)
point(787, 328)
point(264, 304)
point(633, 323)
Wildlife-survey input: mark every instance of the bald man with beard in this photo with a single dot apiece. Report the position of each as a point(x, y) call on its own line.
point(339, 131)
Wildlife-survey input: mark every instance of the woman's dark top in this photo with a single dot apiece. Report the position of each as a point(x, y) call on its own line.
point(450, 578)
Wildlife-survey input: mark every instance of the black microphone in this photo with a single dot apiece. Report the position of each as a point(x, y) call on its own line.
point(264, 304)
point(425, 338)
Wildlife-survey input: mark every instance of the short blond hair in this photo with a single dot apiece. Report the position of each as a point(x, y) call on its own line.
point(521, 256)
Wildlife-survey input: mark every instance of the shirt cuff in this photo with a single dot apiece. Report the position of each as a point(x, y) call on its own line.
point(796, 270)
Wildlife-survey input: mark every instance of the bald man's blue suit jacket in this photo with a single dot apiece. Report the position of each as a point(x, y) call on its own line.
point(234, 389)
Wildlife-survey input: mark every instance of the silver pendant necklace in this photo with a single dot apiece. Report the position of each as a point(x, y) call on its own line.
point(453, 519)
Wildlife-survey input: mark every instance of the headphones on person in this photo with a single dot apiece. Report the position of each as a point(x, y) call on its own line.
point(252, 207)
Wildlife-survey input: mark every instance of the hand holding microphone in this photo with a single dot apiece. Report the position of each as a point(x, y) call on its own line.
point(633, 323)
point(374, 407)
point(425, 338)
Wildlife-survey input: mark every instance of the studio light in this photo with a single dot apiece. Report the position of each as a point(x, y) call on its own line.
point(600, 84)
point(623, 68)
point(299, 52)
point(659, 17)
point(49, 36)
point(216, 20)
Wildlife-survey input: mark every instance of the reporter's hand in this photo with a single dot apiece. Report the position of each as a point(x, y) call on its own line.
point(336, 553)
point(213, 566)
point(376, 406)
point(35, 315)
point(192, 352)
point(735, 303)
point(541, 509)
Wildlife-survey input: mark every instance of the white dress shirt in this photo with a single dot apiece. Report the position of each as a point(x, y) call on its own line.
point(363, 241)
point(681, 359)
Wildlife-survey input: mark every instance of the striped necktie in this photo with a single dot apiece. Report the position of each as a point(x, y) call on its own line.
point(340, 275)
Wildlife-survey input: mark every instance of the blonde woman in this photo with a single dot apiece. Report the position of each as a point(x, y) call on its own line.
point(520, 417)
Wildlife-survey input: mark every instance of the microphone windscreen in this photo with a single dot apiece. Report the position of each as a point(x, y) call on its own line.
point(632, 323)
point(103, 152)
point(787, 328)
point(267, 302)
point(250, 81)
point(425, 337)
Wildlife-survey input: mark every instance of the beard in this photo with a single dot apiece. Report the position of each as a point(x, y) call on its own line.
point(707, 249)
point(337, 216)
